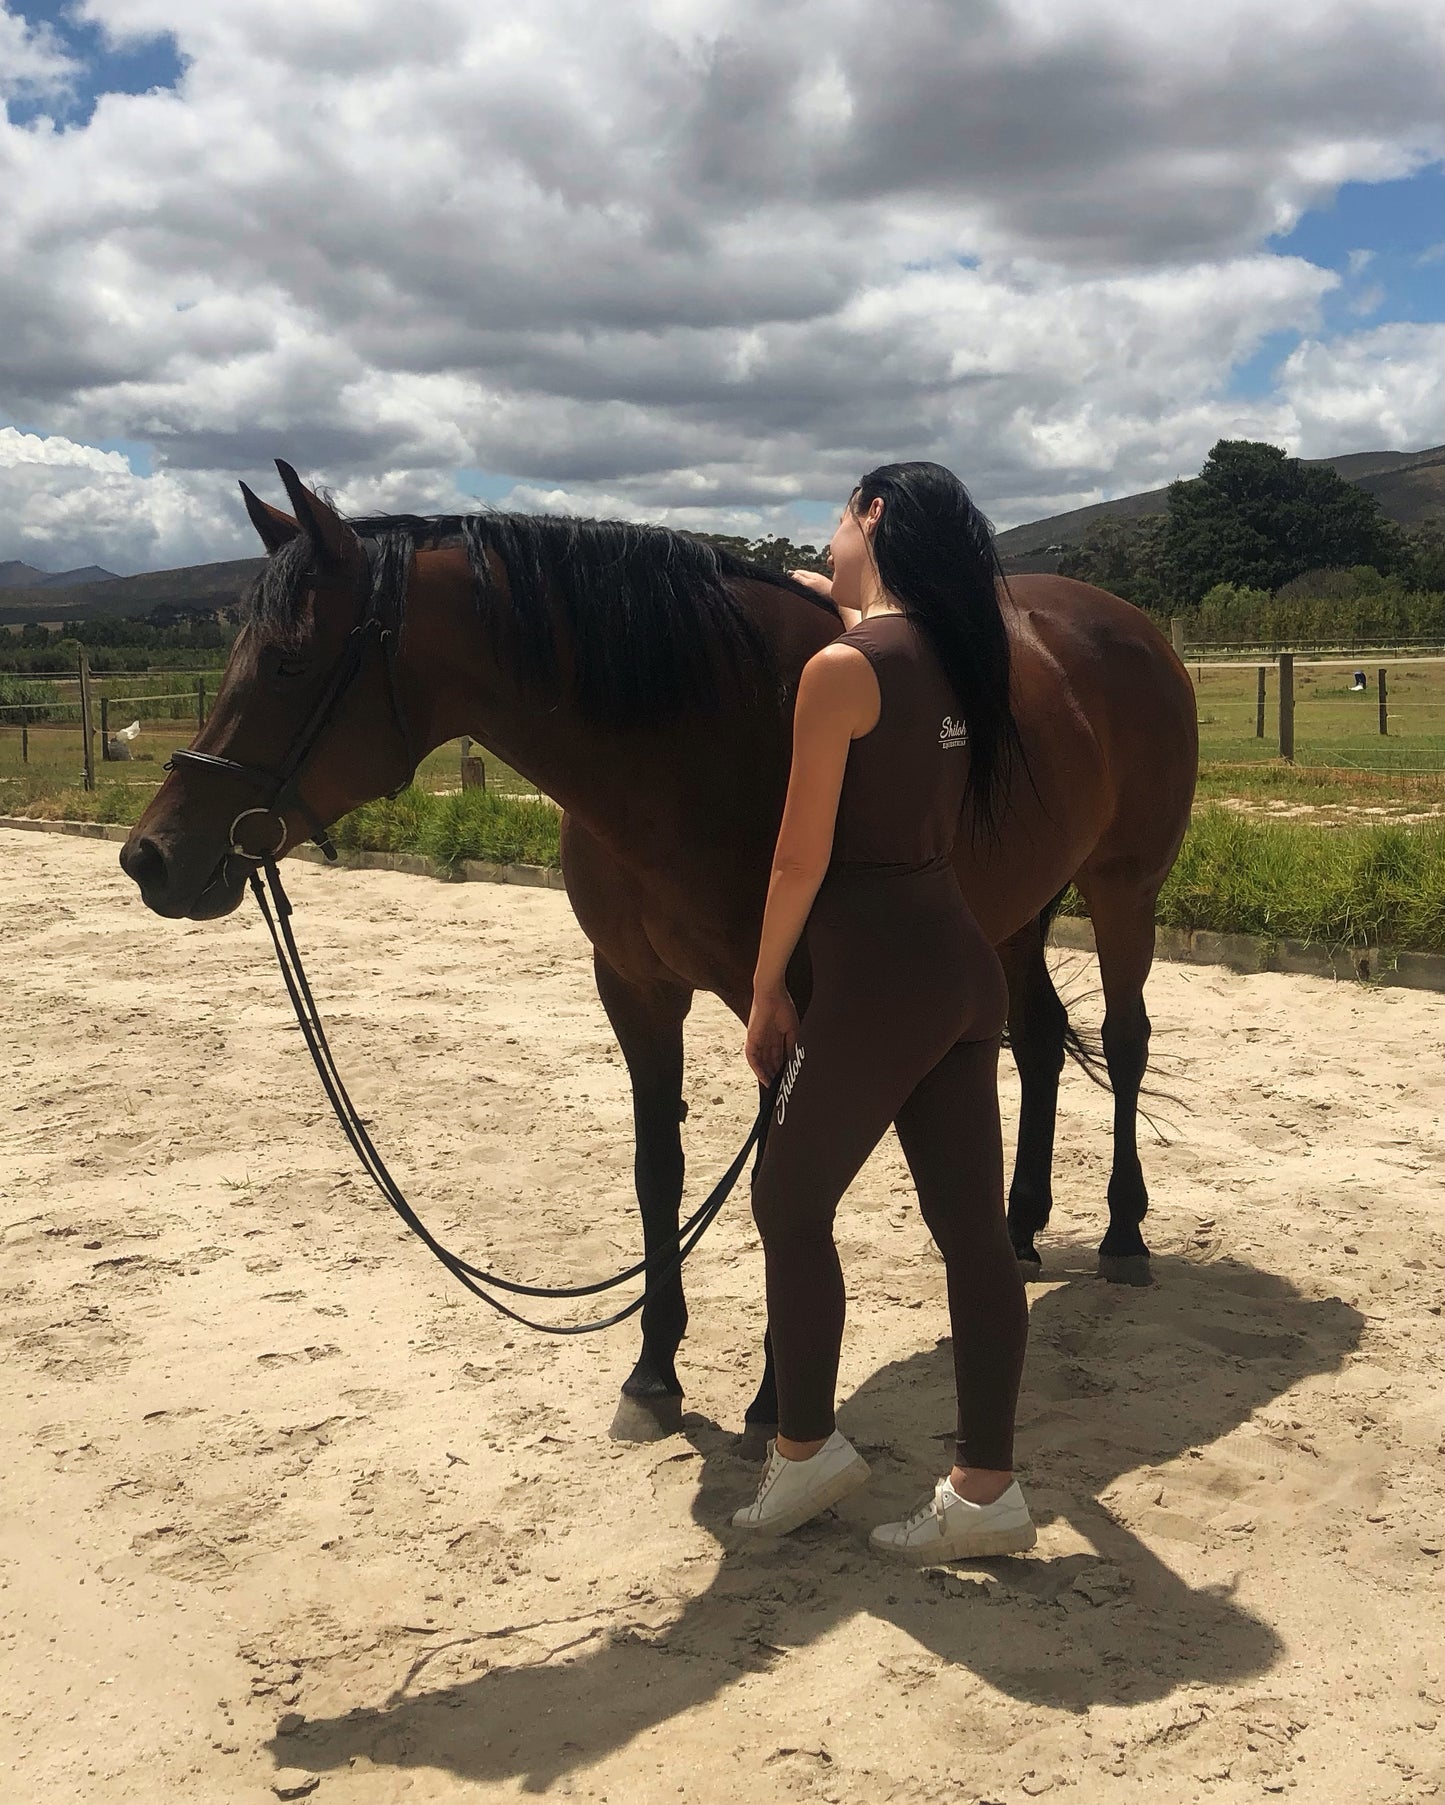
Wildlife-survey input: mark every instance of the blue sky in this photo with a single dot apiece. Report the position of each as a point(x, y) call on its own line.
point(1386, 242)
point(134, 66)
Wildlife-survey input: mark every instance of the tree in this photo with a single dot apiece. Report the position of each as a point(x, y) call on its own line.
point(1255, 518)
point(1122, 556)
point(775, 553)
point(1422, 559)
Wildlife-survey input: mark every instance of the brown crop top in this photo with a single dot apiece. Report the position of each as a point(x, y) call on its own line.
point(903, 786)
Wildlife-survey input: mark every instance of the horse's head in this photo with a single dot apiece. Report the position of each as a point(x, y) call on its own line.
point(309, 720)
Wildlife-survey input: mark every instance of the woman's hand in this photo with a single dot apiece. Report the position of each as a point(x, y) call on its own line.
point(812, 579)
point(772, 1033)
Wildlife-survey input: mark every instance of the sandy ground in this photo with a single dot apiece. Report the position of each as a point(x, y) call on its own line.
point(282, 1509)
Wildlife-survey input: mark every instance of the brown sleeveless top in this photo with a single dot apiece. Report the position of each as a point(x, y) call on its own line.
point(903, 786)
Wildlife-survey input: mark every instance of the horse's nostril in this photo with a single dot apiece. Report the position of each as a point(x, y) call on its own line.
point(145, 863)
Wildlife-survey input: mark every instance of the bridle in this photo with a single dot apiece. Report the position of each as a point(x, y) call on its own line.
point(381, 621)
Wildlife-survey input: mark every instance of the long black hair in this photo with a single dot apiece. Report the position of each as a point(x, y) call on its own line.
point(934, 551)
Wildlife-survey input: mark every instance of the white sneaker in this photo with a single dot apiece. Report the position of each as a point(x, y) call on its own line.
point(946, 1527)
point(791, 1491)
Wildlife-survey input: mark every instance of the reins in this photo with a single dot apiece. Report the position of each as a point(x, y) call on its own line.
point(475, 1279)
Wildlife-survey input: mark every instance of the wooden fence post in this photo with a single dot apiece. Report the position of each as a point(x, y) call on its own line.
point(1259, 704)
point(86, 730)
point(1286, 707)
point(1384, 706)
point(1176, 634)
point(474, 775)
point(104, 729)
point(25, 742)
point(200, 703)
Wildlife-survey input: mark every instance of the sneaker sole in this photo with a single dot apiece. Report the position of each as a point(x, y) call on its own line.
point(978, 1547)
point(842, 1486)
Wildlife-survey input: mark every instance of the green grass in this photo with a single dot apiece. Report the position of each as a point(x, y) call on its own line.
point(1336, 887)
point(473, 824)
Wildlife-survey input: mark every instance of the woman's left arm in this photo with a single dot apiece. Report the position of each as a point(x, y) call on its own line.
point(833, 699)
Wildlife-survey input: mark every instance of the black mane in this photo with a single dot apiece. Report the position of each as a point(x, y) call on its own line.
point(647, 612)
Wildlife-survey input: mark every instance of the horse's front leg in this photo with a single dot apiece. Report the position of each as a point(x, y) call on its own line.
point(647, 1020)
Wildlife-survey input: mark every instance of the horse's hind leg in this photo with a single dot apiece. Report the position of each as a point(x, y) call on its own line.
point(1037, 1023)
point(1122, 911)
point(647, 1020)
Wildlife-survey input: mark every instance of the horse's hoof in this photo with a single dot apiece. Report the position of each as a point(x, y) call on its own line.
point(753, 1442)
point(1126, 1269)
point(1031, 1268)
point(647, 1419)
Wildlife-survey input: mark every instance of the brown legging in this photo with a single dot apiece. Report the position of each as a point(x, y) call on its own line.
point(903, 1026)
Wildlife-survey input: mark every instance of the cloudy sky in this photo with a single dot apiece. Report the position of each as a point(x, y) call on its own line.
point(698, 261)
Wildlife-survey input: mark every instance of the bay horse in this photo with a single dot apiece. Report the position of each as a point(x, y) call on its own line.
point(644, 681)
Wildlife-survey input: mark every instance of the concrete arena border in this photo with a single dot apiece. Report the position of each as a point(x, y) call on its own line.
point(1244, 953)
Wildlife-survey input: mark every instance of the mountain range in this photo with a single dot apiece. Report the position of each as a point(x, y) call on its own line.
point(1409, 486)
point(15, 575)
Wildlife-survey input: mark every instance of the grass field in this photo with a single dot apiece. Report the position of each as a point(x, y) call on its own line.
point(1333, 727)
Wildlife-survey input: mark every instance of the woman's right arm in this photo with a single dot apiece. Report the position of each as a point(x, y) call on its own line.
point(812, 579)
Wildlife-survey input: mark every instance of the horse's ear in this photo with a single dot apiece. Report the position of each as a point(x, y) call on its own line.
point(331, 538)
point(276, 529)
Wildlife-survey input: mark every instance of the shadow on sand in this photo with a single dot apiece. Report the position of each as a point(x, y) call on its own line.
point(1230, 1338)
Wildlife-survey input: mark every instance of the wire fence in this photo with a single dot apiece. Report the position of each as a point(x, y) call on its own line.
point(1381, 713)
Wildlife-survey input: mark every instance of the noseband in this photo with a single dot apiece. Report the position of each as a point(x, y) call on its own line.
point(381, 621)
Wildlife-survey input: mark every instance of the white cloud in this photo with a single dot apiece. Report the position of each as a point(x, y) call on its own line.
point(32, 63)
point(1381, 388)
point(66, 505)
point(680, 258)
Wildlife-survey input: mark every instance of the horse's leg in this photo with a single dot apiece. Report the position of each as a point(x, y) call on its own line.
point(647, 1020)
point(1037, 1022)
point(1122, 911)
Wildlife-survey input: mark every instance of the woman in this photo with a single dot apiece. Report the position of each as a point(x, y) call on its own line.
point(901, 725)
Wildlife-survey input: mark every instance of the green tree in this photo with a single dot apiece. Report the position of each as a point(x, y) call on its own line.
point(1255, 518)
point(1422, 559)
point(1122, 556)
point(775, 553)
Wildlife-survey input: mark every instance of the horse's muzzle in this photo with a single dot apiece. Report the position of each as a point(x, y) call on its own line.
point(168, 889)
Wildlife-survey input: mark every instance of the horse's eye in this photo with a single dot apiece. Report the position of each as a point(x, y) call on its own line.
point(291, 667)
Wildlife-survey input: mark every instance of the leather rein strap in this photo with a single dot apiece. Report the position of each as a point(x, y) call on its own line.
point(288, 957)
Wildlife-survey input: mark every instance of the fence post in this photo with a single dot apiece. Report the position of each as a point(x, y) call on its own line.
point(1286, 707)
point(1176, 634)
point(1384, 706)
point(474, 775)
point(86, 730)
point(25, 742)
point(1259, 704)
point(105, 729)
point(200, 703)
